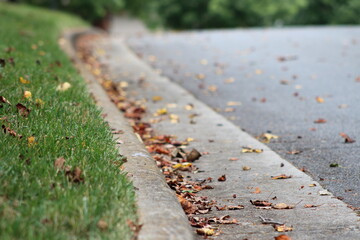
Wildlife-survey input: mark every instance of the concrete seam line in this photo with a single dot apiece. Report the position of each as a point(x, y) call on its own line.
point(158, 209)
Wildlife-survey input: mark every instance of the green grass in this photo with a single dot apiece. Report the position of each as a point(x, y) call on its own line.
point(36, 200)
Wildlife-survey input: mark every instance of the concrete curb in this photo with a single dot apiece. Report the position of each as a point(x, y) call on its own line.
point(158, 209)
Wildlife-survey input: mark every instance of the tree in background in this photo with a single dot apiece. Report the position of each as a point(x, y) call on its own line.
point(195, 14)
point(97, 12)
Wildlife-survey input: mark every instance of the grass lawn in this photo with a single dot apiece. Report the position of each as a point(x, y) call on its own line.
point(41, 196)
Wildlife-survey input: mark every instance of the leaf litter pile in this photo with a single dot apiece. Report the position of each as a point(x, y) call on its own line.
point(174, 159)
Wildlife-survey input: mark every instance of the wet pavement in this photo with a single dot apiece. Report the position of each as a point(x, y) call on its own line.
point(285, 79)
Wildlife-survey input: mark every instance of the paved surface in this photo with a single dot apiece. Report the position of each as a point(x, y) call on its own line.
point(332, 219)
point(157, 206)
point(277, 73)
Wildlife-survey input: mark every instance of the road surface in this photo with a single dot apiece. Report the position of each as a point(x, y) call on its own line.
point(277, 81)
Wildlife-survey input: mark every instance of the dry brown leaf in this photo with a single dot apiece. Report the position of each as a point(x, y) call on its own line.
point(59, 163)
point(233, 159)
point(261, 203)
point(281, 176)
point(4, 100)
point(212, 88)
point(102, 225)
point(10, 132)
point(222, 178)
point(193, 155)
point(74, 175)
point(257, 190)
point(282, 237)
point(283, 206)
point(310, 206)
point(283, 228)
point(320, 120)
point(246, 168)
point(347, 138)
point(188, 207)
point(23, 110)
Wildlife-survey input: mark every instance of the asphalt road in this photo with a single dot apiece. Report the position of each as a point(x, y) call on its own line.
point(285, 80)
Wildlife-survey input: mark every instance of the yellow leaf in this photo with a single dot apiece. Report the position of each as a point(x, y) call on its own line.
point(182, 165)
point(157, 98)
point(39, 102)
point(229, 80)
point(31, 141)
point(174, 118)
point(24, 81)
point(251, 150)
point(63, 87)
point(189, 139)
point(283, 228)
point(259, 71)
point(266, 137)
point(27, 94)
point(320, 99)
point(161, 111)
point(205, 231)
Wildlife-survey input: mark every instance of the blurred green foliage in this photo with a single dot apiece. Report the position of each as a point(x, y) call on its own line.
point(90, 10)
point(194, 14)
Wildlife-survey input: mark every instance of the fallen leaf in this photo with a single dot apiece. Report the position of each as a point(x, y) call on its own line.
point(283, 206)
point(27, 94)
point(266, 137)
point(63, 87)
point(283, 228)
point(257, 190)
point(233, 103)
point(347, 138)
point(320, 120)
point(222, 178)
point(204, 62)
point(258, 71)
point(200, 76)
point(193, 155)
point(333, 165)
point(189, 107)
point(10, 131)
point(31, 141)
point(246, 168)
point(59, 163)
point(161, 111)
point(212, 88)
point(284, 82)
point(2, 62)
point(282, 237)
point(233, 159)
point(39, 102)
point(229, 109)
point(74, 175)
point(157, 98)
point(282, 176)
point(4, 100)
point(310, 206)
point(261, 203)
point(182, 166)
point(324, 192)
point(24, 80)
point(319, 99)
point(206, 231)
point(102, 225)
point(229, 80)
point(23, 110)
point(312, 185)
point(251, 150)
point(294, 152)
point(188, 207)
